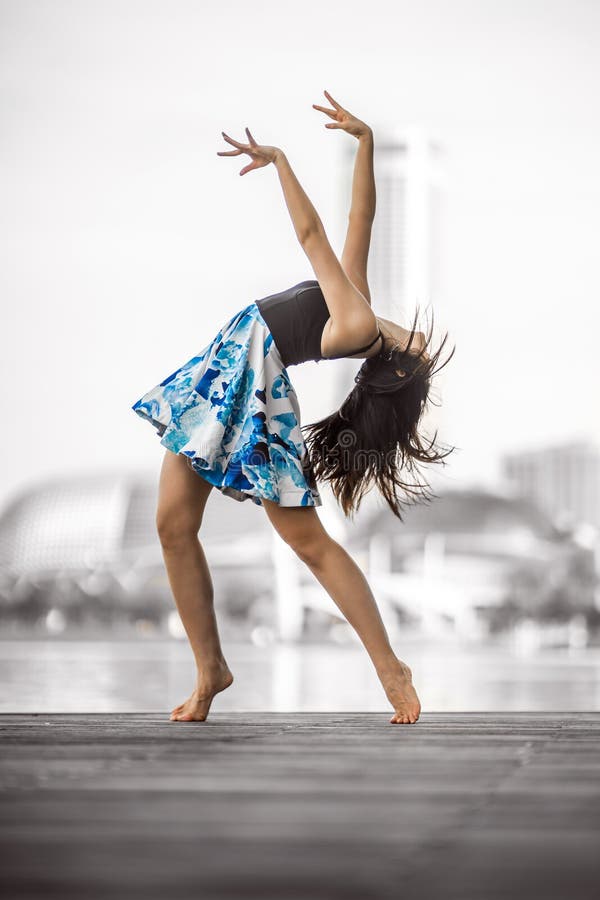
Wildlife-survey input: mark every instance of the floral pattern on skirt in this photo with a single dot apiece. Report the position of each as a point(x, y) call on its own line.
point(233, 412)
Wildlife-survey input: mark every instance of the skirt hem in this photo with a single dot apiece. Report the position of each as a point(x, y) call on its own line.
point(285, 498)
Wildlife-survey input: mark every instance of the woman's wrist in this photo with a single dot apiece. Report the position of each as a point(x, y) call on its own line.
point(366, 135)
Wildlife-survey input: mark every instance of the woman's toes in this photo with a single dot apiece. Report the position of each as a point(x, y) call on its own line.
point(403, 719)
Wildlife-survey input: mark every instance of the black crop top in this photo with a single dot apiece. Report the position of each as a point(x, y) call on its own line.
point(296, 318)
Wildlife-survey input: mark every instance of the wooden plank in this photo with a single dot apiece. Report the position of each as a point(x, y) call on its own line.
point(300, 805)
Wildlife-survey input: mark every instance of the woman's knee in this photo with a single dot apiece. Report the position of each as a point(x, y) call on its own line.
point(311, 549)
point(175, 526)
point(182, 496)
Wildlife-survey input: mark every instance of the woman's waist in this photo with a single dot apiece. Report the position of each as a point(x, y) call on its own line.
point(277, 346)
point(296, 317)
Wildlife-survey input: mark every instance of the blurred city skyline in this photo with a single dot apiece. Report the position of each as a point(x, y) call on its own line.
point(128, 241)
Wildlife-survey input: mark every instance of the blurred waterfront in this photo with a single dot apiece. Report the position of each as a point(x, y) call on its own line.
point(80, 557)
point(150, 676)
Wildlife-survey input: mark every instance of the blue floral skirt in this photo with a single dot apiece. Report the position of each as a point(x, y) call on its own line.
point(233, 412)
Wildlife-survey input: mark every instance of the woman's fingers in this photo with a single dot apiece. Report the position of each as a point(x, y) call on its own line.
point(248, 168)
point(330, 112)
point(334, 102)
point(241, 148)
point(339, 114)
point(333, 114)
point(231, 140)
point(260, 155)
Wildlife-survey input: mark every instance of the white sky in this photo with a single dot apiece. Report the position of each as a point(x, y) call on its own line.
point(126, 241)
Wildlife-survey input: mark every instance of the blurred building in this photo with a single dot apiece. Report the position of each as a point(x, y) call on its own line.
point(87, 546)
point(563, 480)
point(473, 562)
point(406, 252)
point(406, 255)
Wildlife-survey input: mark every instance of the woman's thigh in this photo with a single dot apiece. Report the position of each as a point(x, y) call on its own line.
point(182, 495)
point(300, 527)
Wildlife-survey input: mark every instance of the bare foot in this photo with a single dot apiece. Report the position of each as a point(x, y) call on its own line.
point(196, 707)
point(397, 684)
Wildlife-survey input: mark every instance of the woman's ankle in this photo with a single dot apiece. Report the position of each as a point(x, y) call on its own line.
point(392, 666)
point(213, 665)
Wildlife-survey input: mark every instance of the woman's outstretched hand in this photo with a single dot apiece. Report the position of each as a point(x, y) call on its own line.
point(261, 155)
point(343, 119)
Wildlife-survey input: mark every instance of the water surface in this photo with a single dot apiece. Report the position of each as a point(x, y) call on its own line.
point(152, 675)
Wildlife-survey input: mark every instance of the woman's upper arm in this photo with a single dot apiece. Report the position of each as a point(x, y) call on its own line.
point(351, 314)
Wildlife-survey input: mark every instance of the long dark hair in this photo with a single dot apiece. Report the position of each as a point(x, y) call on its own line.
point(372, 439)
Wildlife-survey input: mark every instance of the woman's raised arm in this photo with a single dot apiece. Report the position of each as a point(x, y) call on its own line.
point(351, 316)
point(362, 211)
point(304, 216)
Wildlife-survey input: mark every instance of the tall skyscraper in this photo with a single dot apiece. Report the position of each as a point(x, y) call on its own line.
point(405, 261)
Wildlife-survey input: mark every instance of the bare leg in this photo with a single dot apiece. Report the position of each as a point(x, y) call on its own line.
point(182, 498)
point(346, 584)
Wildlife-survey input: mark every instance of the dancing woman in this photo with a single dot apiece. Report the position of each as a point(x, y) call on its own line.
point(229, 419)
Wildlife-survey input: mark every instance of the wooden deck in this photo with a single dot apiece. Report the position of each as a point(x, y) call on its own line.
point(306, 806)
